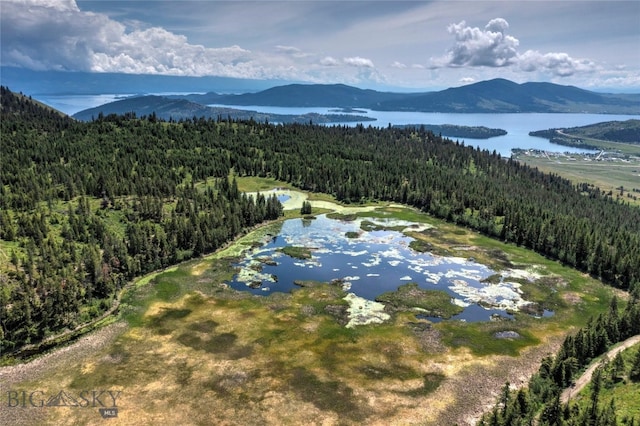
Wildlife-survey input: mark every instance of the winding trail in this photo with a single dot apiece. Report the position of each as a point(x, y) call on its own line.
point(582, 381)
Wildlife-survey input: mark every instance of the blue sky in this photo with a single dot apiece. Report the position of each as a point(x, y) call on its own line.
point(415, 45)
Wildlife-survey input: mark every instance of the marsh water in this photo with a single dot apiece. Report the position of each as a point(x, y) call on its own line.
point(369, 263)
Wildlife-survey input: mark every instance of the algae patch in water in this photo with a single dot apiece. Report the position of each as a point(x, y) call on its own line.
point(435, 303)
point(297, 252)
point(362, 311)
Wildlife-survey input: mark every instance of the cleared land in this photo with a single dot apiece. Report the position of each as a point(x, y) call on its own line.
point(615, 168)
point(621, 177)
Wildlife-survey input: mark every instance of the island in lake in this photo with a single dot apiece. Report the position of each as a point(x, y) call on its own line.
point(167, 108)
point(456, 131)
point(349, 110)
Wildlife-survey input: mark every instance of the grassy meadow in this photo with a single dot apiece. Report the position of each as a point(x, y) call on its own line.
point(195, 352)
point(606, 175)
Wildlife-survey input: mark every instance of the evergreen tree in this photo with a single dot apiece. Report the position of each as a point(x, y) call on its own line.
point(306, 208)
point(634, 373)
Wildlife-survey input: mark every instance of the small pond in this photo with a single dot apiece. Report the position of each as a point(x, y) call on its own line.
point(369, 263)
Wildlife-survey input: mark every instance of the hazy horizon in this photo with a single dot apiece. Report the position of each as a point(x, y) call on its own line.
point(381, 45)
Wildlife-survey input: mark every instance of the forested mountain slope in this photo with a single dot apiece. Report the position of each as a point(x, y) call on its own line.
point(615, 131)
point(541, 402)
point(171, 109)
point(87, 206)
point(491, 96)
point(504, 96)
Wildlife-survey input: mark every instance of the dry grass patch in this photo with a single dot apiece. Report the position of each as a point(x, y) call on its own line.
point(197, 353)
point(219, 364)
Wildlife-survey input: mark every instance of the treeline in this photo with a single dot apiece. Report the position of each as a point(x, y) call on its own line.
point(67, 264)
point(132, 205)
point(540, 403)
point(456, 131)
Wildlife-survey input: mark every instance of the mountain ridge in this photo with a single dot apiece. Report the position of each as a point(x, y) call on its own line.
point(177, 108)
point(490, 96)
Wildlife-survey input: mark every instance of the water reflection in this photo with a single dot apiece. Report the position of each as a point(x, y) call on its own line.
point(369, 263)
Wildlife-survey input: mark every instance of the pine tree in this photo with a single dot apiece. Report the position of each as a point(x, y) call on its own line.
point(616, 367)
point(551, 414)
point(634, 373)
point(306, 208)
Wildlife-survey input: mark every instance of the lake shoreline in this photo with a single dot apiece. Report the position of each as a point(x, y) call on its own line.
point(517, 125)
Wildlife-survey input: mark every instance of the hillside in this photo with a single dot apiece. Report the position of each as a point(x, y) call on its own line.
point(504, 96)
point(612, 131)
point(89, 207)
point(306, 95)
point(146, 105)
point(493, 96)
point(167, 108)
point(60, 186)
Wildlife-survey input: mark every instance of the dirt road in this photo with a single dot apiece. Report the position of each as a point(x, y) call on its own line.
point(582, 381)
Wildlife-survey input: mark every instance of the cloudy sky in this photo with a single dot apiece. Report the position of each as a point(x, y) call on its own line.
point(423, 45)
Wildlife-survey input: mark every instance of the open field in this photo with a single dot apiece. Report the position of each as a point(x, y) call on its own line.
point(615, 168)
point(190, 350)
point(608, 175)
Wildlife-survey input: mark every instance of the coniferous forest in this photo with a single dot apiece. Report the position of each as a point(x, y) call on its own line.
point(66, 267)
point(540, 403)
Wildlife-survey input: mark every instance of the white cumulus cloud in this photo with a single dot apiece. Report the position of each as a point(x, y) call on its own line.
point(329, 61)
point(492, 46)
point(56, 34)
point(359, 62)
point(559, 64)
point(59, 35)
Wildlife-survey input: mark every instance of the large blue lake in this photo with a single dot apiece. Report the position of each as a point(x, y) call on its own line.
point(371, 263)
point(517, 126)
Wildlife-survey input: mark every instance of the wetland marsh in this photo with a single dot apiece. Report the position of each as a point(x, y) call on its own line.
point(368, 256)
point(195, 350)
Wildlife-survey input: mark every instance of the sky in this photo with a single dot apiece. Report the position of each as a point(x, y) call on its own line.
point(412, 45)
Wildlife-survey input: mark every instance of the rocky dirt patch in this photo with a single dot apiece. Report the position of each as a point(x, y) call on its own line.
point(31, 371)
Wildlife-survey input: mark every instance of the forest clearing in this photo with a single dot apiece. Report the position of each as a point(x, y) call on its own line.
point(219, 353)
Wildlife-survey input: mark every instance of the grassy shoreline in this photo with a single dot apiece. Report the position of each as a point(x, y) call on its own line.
point(289, 358)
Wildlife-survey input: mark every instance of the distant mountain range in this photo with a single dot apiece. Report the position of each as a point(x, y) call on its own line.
point(304, 95)
point(504, 96)
point(91, 83)
point(493, 96)
point(177, 109)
